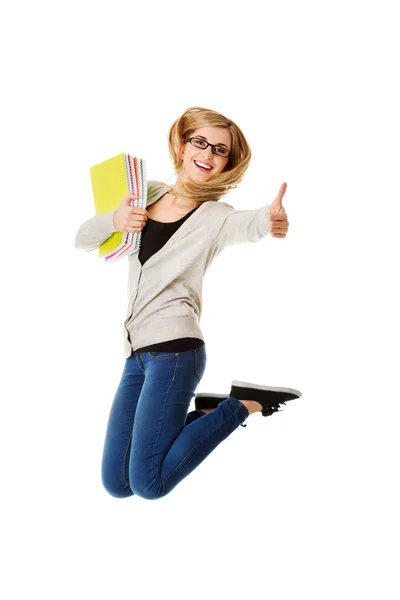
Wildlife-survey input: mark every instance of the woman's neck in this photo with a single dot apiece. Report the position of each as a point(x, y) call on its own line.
point(182, 203)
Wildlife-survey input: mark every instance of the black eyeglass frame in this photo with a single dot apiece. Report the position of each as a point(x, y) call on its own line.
point(208, 144)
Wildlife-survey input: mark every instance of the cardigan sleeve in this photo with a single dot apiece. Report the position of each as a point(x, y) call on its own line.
point(99, 228)
point(241, 226)
point(95, 231)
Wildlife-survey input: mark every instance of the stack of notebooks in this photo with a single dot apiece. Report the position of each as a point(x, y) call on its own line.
point(112, 180)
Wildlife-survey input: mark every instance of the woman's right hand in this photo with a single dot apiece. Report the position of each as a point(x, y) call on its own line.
point(129, 218)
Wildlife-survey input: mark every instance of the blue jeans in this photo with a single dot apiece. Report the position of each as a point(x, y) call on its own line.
point(152, 442)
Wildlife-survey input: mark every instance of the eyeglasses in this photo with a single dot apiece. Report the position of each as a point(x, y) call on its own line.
point(217, 150)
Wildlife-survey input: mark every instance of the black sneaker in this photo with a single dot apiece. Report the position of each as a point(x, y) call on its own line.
point(269, 397)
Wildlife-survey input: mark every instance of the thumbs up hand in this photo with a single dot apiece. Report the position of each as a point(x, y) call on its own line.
point(277, 217)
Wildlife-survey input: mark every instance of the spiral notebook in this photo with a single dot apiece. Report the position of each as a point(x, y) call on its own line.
point(112, 180)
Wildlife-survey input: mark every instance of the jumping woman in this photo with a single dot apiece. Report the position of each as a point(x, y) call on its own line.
point(152, 442)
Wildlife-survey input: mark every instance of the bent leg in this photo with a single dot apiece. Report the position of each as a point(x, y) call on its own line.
point(193, 415)
point(164, 451)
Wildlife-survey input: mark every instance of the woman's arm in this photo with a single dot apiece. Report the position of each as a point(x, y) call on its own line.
point(241, 226)
point(95, 231)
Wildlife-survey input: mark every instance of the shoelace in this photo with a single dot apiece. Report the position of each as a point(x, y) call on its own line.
point(269, 411)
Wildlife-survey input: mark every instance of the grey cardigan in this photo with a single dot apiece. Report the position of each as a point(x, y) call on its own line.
point(165, 293)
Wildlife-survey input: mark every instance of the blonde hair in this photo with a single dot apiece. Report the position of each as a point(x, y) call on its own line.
point(191, 120)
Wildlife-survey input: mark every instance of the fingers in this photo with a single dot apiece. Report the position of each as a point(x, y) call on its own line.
point(279, 216)
point(135, 226)
point(136, 221)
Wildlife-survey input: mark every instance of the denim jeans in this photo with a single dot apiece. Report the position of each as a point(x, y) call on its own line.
point(152, 442)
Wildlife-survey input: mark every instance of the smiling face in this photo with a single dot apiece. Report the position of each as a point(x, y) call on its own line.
point(190, 154)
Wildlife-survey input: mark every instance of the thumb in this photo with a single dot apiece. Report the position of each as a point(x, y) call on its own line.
point(276, 205)
point(129, 200)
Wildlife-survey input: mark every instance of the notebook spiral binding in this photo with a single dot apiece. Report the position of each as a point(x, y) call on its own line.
point(137, 185)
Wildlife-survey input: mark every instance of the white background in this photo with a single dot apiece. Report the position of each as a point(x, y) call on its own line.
point(302, 504)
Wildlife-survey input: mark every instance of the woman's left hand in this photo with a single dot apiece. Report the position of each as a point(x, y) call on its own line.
point(277, 217)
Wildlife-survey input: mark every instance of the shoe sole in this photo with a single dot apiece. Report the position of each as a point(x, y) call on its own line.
point(267, 388)
point(269, 396)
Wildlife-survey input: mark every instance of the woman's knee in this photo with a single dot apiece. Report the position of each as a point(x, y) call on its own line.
point(115, 488)
point(152, 491)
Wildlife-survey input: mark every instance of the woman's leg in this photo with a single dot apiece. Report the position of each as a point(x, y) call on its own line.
point(117, 445)
point(193, 415)
point(164, 451)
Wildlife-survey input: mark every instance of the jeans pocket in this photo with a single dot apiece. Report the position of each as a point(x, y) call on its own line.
point(162, 354)
point(200, 362)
